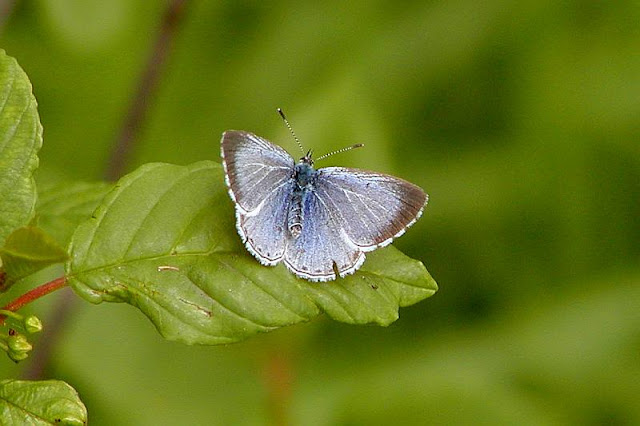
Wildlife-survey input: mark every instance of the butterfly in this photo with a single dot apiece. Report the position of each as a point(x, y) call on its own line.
point(318, 222)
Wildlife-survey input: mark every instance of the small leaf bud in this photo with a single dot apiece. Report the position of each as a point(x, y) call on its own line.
point(18, 356)
point(18, 343)
point(32, 324)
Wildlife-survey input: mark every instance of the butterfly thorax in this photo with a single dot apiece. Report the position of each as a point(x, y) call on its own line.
point(304, 177)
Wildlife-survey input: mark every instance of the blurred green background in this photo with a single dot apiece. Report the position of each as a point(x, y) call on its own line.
point(519, 118)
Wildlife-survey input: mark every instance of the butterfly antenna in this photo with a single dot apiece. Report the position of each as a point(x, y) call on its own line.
point(286, 122)
point(349, 148)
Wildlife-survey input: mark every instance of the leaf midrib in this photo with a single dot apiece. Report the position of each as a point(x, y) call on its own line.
point(204, 253)
point(140, 259)
point(223, 252)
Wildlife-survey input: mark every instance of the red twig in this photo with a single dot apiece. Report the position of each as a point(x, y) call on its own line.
point(34, 294)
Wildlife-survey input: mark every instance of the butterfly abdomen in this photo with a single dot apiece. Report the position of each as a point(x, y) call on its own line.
point(294, 218)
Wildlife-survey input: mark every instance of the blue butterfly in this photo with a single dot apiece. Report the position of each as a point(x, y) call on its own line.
point(320, 223)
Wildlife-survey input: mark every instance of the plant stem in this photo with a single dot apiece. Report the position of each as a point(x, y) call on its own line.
point(147, 86)
point(11, 314)
point(56, 324)
point(278, 378)
point(132, 122)
point(6, 7)
point(34, 294)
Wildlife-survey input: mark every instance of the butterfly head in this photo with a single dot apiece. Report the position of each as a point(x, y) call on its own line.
point(307, 159)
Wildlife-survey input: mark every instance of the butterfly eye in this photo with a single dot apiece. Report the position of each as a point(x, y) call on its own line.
point(307, 160)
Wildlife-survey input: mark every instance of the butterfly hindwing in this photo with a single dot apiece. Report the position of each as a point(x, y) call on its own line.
point(320, 250)
point(264, 232)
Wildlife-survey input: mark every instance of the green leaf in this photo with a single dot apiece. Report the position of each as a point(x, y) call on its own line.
point(28, 250)
point(20, 141)
point(49, 402)
point(63, 205)
point(165, 240)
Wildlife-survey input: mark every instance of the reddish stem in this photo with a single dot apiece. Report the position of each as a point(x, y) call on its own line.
point(34, 294)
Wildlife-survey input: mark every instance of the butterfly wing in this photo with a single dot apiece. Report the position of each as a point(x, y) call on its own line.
point(259, 176)
point(350, 212)
point(320, 251)
point(253, 166)
point(370, 208)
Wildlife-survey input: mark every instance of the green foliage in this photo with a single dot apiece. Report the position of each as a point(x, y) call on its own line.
point(20, 141)
point(520, 119)
point(49, 402)
point(529, 367)
point(64, 204)
point(28, 250)
point(164, 240)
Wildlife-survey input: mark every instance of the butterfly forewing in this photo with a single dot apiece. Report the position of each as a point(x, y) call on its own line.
point(254, 167)
point(371, 208)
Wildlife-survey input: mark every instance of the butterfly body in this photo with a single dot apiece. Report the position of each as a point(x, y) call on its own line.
point(304, 177)
point(318, 222)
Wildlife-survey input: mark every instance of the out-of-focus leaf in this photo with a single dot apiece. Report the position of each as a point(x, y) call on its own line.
point(28, 250)
point(49, 402)
point(87, 25)
point(64, 205)
point(20, 140)
point(526, 368)
point(164, 240)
